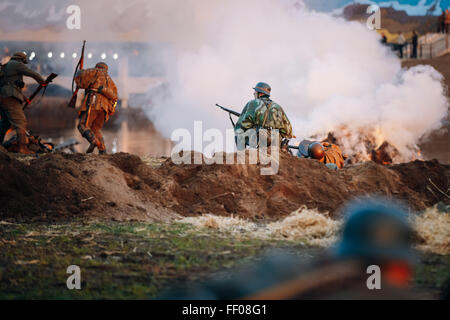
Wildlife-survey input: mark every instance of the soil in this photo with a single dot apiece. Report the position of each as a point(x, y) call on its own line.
point(123, 187)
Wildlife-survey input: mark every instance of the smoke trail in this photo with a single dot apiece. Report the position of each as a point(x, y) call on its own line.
point(327, 73)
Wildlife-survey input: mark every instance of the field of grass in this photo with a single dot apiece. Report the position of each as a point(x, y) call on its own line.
point(131, 260)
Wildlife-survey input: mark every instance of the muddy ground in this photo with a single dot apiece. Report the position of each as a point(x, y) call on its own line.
point(123, 187)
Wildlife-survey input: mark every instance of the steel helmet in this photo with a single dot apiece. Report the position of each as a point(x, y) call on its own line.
point(263, 87)
point(102, 65)
point(20, 56)
point(376, 229)
point(316, 151)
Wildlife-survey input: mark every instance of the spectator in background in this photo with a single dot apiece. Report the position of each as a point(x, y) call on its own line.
point(415, 40)
point(401, 43)
point(441, 23)
point(447, 21)
point(383, 38)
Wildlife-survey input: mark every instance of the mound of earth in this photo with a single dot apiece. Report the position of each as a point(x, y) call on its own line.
point(122, 186)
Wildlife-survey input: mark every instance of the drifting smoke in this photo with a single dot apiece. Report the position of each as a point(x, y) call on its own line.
point(326, 73)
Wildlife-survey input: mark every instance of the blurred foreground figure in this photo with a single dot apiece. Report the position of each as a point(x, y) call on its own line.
point(98, 105)
point(328, 153)
point(262, 114)
point(373, 260)
point(12, 99)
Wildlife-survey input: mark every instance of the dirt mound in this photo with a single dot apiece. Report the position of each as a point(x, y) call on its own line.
point(58, 186)
point(121, 186)
point(243, 191)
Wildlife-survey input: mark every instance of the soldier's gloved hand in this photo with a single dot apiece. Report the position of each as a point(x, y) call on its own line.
point(99, 90)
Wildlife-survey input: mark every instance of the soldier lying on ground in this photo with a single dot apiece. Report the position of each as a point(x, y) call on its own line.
point(35, 145)
point(328, 153)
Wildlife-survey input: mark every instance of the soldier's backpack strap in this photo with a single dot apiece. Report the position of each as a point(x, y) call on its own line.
point(266, 114)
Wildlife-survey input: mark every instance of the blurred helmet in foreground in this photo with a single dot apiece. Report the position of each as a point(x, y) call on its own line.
point(376, 230)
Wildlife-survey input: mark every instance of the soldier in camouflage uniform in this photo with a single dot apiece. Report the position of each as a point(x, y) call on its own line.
point(12, 98)
point(263, 113)
point(328, 153)
point(98, 104)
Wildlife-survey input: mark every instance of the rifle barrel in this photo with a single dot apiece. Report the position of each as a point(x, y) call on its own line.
point(237, 114)
point(47, 81)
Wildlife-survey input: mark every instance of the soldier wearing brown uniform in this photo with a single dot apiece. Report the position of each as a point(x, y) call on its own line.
point(12, 98)
point(328, 153)
point(98, 104)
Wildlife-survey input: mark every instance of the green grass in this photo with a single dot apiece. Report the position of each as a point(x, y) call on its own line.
point(118, 260)
point(133, 260)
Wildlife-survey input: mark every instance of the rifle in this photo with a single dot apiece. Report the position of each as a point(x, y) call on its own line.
point(230, 112)
point(79, 66)
point(47, 81)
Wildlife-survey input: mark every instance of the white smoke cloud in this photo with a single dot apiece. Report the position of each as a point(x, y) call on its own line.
point(325, 72)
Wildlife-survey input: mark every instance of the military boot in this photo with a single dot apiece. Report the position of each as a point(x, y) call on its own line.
point(91, 148)
point(101, 147)
point(90, 136)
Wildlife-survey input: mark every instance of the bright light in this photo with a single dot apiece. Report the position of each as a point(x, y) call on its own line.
point(115, 56)
point(62, 55)
point(103, 56)
point(50, 54)
point(32, 55)
point(74, 55)
point(89, 55)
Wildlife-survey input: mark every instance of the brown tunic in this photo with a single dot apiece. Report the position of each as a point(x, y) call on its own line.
point(91, 80)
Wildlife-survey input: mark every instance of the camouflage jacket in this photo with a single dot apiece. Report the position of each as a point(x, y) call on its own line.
point(11, 79)
point(254, 113)
point(91, 80)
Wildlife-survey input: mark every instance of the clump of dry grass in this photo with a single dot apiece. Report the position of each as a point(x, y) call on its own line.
point(153, 162)
point(433, 230)
point(309, 225)
point(306, 225)
point(315, 228)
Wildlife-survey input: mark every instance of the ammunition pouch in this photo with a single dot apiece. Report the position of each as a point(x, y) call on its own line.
point(91, 98)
